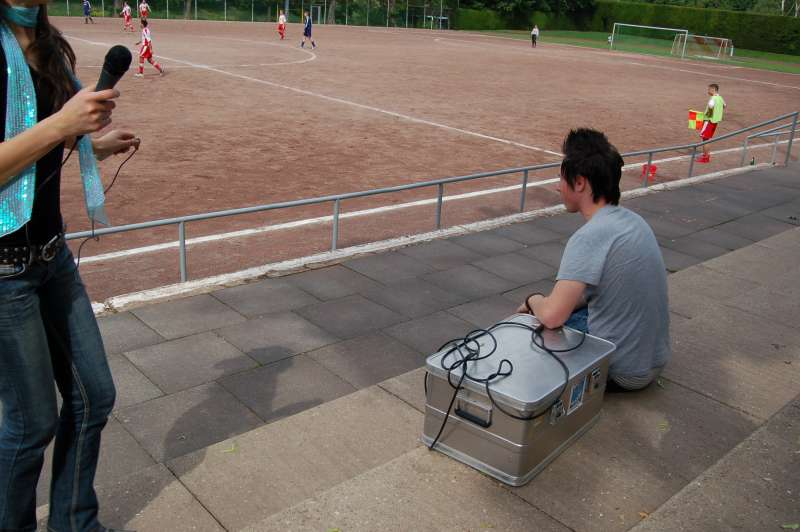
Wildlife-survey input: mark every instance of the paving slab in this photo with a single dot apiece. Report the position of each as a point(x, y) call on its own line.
point(755, 262)
point(755, 226)
point(120, 456)
point(389, 267)
point(441, 254)
point(264, 297)
point(646, 446)
point(350, 316)
point(248, 478)
point(787, 239)
point(752, 366)
point(772, 303)
point(565, 224)
point(788, 213)
point(699, 281)
point(187, 362)
point(153, 499)
point(721, 238)
point(548, 253)
point(276, 337)
point(124, 332)
point(183, 422)
point(530, 233)
point(427, 334)
point(693, 247)
point(182, 317)
point(470, 282)
point(286, 387)
point(332, 282)
point(413, 297)
point(132, 385)
point(754, 487)
point(676, 261)
point(420, 491)
point(488, 243)
point(517, 268)
point(408, 387)
point(368, 360)
point(485, 312)
point(518, 295)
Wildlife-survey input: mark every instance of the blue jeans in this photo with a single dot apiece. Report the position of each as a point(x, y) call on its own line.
point(48, 334)
point(579, 320)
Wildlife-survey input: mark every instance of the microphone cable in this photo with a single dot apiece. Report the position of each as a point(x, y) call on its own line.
point(471, 346)
point(105, 191)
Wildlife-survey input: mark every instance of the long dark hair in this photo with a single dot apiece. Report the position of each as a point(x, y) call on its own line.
point(54, 60)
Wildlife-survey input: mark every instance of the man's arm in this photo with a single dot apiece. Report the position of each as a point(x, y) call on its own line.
point(554, 310)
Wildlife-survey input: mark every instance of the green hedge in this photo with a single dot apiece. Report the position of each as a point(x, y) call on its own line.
point(752, 31)
point(480, 19)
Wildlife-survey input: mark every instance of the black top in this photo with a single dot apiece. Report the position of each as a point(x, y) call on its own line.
point(46, 219)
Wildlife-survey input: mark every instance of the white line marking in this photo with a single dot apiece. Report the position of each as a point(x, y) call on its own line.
point(353, 104)
point(715, 75)
point(119, 303)
point(366, 212)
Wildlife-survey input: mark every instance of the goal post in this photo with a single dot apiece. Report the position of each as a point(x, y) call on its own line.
point(647, 39)
point(702, 46)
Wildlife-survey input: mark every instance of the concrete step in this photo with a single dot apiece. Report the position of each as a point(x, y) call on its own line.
point(753, 487)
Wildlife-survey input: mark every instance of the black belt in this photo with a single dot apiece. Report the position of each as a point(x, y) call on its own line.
point(15, 259)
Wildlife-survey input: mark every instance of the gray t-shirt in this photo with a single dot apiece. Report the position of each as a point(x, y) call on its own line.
point(616, 254)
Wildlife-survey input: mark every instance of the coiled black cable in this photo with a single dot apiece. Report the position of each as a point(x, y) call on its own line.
point(471, 345)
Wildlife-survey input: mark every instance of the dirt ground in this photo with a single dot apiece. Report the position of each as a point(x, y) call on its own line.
point(242, 118)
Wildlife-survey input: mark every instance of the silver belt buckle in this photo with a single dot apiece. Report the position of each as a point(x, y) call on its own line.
point(49, 250)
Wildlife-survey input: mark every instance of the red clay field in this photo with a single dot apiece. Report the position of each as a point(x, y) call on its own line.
point(242, 118)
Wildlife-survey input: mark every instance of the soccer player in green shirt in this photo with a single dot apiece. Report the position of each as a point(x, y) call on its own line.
point(713, 114)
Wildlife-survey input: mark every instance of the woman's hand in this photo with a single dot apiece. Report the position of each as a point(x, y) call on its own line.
point(86, 112)
point(114, 142)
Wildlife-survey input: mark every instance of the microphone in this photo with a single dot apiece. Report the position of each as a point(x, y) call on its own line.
point(118, 61)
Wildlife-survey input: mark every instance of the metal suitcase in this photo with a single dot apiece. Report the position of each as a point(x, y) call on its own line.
point(478, 432)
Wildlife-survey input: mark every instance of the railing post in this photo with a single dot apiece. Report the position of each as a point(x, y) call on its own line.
point(182, 243)
point(524, 190)
point(775, 148)
point(439, 199)
point(744, 150)
point(791, 138)
point(691, 162)
point(646, 175)
point(335, 237)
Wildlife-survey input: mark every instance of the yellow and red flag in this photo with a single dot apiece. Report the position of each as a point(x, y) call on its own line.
point(696, 119)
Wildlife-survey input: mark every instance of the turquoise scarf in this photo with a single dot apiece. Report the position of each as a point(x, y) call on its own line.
point(16, 196)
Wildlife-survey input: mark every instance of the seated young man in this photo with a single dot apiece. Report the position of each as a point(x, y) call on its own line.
point(611, 269)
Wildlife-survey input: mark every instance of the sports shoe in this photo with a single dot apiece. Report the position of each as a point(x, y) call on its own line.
point(138, 75)
point(703, 159)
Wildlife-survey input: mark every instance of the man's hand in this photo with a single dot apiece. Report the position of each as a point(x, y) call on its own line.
point(531, 301)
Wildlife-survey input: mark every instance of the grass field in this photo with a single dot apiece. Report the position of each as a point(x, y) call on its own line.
point(749, 58)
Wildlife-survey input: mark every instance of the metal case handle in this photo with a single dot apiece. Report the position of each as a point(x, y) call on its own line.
point(463, 403)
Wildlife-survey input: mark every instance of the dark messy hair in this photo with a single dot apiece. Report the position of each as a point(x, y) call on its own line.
point(588, 153)
point(53, 60)
point(715, 86)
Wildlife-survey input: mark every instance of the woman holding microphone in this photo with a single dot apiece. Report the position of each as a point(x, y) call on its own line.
point(48, 334)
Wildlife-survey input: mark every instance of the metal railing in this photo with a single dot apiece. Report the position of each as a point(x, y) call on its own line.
point(337, 199)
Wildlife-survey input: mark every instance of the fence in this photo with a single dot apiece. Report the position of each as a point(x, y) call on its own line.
point(432, 14)
point(788, 128)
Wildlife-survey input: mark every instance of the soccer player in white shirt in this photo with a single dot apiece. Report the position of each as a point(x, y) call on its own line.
point(146, 52)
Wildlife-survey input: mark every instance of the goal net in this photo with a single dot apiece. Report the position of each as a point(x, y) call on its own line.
point(645, 39)
point(701, 46)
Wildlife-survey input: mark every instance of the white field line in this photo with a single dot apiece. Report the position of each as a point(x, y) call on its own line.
point(746, 80)
point(354, 214)
point(119, 303)
point(350, 103)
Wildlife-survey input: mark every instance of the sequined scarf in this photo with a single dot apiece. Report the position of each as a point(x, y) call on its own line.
point(16, 196)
